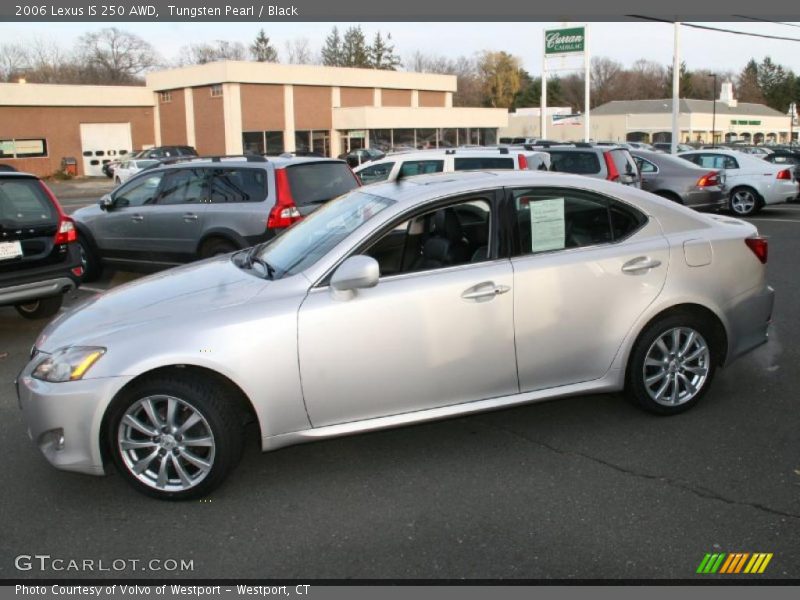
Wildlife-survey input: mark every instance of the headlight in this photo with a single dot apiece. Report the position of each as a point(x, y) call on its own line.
point(67, 364)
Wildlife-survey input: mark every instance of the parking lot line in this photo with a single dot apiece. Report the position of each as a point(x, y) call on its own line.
point(776, 220)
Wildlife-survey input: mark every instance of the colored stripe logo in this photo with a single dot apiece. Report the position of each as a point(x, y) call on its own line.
point(734, 563)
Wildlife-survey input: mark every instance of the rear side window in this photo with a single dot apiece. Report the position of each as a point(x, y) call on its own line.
point(421, 167)
point(318, 182)
point(483, 162)
point(581, 163)
point(24, 203)
point(182, 186)
point(375, 173)
point(237, 185)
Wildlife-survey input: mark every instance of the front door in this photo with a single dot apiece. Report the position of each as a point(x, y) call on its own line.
point(437, 330)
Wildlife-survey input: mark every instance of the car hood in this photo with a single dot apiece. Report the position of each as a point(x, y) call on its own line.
point(181, 293)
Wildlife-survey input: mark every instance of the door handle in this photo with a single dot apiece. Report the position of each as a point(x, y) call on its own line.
point(137, 218)
point(640, 264)
point(484, 291)
point(190, 217)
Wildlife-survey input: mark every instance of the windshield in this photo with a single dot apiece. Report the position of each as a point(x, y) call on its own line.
point(305, 243)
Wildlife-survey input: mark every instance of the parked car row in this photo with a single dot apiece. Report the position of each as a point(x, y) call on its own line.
point(157, 153)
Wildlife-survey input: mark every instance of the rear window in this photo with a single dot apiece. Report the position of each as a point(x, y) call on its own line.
point(318, 182)
point(237, 185)
point(23, 202)
point(581, 163)
point(481, 162)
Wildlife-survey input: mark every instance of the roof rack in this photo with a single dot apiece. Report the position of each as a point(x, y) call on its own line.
point(217, 158)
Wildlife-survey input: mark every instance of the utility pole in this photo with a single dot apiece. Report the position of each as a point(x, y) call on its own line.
point(714, 113)
point(676, 78)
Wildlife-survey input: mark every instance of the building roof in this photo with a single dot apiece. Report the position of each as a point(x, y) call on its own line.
point(686, 105)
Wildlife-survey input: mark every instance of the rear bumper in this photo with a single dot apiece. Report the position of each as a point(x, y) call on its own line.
point(783, 192)
point(706, 199)
point(28, 292)
point(749, 317)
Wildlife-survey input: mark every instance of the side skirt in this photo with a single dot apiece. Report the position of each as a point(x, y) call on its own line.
point(611, 382)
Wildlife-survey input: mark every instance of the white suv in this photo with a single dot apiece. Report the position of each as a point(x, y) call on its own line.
point(408, 164)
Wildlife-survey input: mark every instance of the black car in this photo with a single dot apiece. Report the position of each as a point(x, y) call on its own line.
point(360, 156)
point(40, 258)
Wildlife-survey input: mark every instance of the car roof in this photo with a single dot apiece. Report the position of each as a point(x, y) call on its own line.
point(240, 161)
point(436, 153)
point(18, 174)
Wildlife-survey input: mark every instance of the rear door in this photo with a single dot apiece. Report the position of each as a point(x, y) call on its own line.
point(176, 224)
point(28, 223)
point(237, 201)
point(585, 267)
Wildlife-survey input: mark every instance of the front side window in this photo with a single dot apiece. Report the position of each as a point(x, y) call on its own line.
point(376, 173)
point(446, 237)
point(237, 185)
point(182, 186)
point(550, 219)
point(303, 244)
point(138, 192)
point(420, 167)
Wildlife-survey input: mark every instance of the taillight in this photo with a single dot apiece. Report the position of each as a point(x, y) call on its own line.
point(285, 211)
point(523, 161)
point(65, 232)
point(613, 174)
point(708, 180)
point(759, 247)
point(786, 174)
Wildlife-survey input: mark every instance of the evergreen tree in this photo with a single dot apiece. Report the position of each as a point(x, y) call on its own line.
point(262, 50)
point(332, 50)
point(381, 53)
point(355, 52)
point(747, 86)
point(684, 82)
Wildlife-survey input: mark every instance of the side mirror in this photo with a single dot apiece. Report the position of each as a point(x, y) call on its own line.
point(355, 273)
point(106, 202)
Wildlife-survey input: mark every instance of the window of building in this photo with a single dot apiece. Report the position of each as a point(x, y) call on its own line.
point(25, 148)
point(165, 97)
point(404, 137)
point(216, 90)
point(262, 142)
point(426, 138)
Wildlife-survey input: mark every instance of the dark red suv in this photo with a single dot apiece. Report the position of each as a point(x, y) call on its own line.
point(40, 258)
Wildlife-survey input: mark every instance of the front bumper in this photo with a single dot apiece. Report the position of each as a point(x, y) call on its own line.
point(64, 419)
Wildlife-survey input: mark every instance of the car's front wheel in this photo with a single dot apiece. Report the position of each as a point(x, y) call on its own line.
point(174, 438)
point(40, 309)
point(672, 364)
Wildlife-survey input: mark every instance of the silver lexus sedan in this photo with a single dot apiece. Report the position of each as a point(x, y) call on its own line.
point(403, 302)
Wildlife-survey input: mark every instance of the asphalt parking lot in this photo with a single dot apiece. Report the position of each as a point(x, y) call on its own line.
point(588, 487)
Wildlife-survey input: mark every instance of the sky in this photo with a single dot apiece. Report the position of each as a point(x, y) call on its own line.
point(624, 42)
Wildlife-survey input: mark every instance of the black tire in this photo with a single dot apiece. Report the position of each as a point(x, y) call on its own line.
point(755, 203)
point(40, 309)
point(215, 247)
point(636, 386)
point(202, 396)
point(92, 267)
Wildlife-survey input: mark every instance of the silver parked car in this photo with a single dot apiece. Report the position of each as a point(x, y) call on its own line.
point(437, 296)
point(680, 181)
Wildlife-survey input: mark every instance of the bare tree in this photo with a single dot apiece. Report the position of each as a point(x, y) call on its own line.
point(13, 61)
point(298, 52)
point(118, 56)
point(605, 80)
point(202, 53)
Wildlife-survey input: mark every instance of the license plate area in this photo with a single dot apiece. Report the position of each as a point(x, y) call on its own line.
point(10, 250)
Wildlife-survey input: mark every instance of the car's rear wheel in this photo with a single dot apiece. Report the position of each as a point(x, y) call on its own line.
point(40, 309)
point(92, 268)
point(173, 438)
point(672, 364)
point(744, 202)
point(215, 247)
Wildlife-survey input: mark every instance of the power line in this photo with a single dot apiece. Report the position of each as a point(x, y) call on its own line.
point(767, 21)
point(719, 29)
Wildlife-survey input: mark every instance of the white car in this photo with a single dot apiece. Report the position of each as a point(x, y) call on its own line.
point(423, 162)
point(752, 181)
point(129, 168)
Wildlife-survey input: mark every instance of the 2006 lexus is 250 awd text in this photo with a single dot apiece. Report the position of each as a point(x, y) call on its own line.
point(403, 302)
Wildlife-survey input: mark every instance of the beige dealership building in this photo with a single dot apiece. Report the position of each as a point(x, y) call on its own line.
point(231, 107)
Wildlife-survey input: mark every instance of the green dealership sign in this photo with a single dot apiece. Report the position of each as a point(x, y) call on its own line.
point(564, 41)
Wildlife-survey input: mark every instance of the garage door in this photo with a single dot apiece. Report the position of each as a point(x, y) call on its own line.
point(102, 143)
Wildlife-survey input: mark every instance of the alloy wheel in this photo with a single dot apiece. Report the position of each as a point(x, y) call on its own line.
point(166, 443)
point(743, 202)
point(676, 366)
